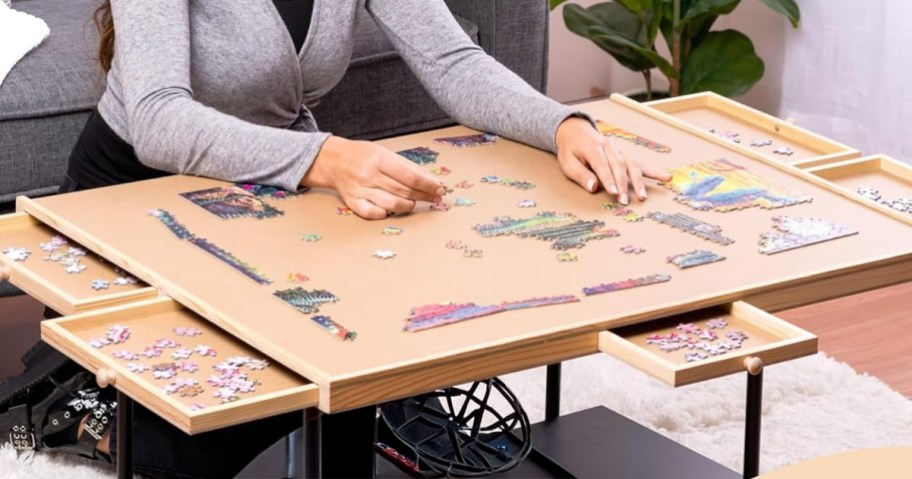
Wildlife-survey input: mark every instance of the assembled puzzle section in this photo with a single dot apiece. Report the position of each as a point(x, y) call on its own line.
point(885, 181)
point(179, 365)
point(59, 272)
point(706, 344)
point(750, 129)
point(378, 310)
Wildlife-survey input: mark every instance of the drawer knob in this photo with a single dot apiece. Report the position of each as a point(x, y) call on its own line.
point(5, 272)
point(754, 365)
point(105, 378)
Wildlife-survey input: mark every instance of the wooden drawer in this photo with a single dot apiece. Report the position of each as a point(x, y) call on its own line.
point(890, 177)
point(48, 281)
point(702, 111)
point(278, 390)
point(768, 338)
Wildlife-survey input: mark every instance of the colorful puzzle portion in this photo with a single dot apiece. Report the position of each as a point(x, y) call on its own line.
point(263, 191)
point(468, 141)
point(694, 258)
point(693, 226)
point(421, 155)
point(613, 131)
point(229, 202)
point(226, 257)
point(307, 301)
point(626, 284)
point(564, 231)
point(723, 186)
point(795, 232)
point(432, 316)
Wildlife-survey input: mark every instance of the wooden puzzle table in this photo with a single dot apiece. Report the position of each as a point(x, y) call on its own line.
point(320, 371)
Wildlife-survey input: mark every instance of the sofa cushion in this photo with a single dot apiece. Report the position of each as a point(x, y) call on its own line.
point(44, 102)
point(62, 74)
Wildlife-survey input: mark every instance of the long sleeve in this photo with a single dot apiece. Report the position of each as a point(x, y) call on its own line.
point(469, 85)
point(171, 131)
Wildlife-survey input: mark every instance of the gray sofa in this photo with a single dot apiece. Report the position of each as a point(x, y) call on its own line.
point(47, 97)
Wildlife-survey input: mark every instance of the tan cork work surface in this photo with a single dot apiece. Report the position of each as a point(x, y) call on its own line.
point(376, 295)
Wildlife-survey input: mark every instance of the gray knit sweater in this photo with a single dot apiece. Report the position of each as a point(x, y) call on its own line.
point(215, 87)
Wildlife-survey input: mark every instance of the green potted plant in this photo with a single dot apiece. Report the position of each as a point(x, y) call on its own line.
point(701, 59)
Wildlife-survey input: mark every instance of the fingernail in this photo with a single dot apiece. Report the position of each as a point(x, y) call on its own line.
point(590, 185)
point(623, 199)
point(643, 193)
point(437, 199)
point(614, 190)
point(440, 191)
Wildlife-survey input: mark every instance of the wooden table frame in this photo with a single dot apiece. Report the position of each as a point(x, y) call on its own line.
point(811, 288)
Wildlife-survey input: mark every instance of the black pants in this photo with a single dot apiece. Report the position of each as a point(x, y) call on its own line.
point(159, 449)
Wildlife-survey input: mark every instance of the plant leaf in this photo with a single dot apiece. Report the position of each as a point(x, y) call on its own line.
point(578, 19)
point(635, 6)
point(607, 37)
point(700, 7)
point(724, 63)
point(616, 18)
point(788, 8)
point(556, 3)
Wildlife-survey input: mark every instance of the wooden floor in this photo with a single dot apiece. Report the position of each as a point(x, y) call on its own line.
point(870, 331)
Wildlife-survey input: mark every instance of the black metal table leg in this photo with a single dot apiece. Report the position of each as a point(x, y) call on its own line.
point(124, 436)
point(752, 424)
point(350, 435)
point(553, 392)
point(312, 450)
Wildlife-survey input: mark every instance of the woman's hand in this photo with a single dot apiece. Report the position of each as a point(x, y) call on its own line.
point(589, 158)
point(373, 181)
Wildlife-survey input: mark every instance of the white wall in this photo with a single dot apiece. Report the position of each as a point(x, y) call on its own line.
point(580, 70)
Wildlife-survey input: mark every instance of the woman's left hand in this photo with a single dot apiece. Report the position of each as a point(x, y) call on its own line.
point(589, 158)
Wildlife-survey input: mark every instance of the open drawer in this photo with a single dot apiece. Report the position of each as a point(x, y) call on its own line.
point(765, 336)
point(42, 273)
point(752, 130)
point(880, 179)
point(214, 380)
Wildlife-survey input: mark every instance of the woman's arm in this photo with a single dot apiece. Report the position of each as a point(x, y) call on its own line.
point(479, 92)
point(171, 131)
point(469, 85)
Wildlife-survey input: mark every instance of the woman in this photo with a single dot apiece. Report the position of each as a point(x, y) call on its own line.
point(216, 88)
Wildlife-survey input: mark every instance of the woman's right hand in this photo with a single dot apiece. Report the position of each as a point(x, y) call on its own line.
point(372, 180)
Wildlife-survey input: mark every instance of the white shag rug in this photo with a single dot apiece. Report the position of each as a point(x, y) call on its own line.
point(812, 407)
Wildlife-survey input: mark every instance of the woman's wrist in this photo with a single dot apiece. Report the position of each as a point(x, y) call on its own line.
point(320, 173)
point(570, 126)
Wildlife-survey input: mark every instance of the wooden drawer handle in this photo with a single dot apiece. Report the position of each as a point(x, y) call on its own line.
point(5, 272)
point(106, 377)
point(754, 365)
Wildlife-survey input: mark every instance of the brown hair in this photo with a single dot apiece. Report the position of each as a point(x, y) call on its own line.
point(104, 22)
